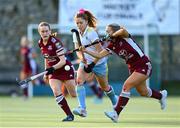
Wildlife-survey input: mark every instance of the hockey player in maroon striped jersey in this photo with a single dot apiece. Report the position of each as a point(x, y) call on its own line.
point(60, 70)
point(139, 66)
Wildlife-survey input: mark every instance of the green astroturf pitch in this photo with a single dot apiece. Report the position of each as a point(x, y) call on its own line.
point(43, 112)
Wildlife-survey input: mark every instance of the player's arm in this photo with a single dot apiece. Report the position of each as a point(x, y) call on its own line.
point(60, 50)
point(90, 66)
point(79, 54)
point(61, 63)
point(93, 36)
point(98, 49)
point(122, 32)
point(97, 55)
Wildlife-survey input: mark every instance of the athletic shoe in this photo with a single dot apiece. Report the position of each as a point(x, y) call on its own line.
point(80, 111)
point(68, 118)
point(163, 99)
point(112, 115)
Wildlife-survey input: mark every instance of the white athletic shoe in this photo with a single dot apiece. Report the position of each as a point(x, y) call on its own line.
point(163, 99)
point(80, 111)
point(112, 115)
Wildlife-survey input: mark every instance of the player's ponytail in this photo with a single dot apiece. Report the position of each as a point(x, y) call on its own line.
point(54, 34)
point(92, 21)
point(88, 16)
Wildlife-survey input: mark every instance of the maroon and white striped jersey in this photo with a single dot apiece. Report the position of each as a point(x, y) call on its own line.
point(52, 48)
point(129, 50)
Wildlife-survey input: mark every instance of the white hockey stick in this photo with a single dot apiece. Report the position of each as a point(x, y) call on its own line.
point(24, 83)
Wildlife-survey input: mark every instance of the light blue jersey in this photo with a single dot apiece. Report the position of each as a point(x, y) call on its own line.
point(89, 36)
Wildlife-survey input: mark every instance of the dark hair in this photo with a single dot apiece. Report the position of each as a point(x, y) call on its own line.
point(44, 24)
point(88, 16)
point(115, 27)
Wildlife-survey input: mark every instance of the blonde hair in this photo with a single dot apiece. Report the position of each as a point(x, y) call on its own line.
point(44, 24)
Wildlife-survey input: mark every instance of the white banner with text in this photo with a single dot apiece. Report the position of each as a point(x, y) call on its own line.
point(163, 14)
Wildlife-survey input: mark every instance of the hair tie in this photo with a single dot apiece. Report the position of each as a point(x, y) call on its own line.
point(81, 11)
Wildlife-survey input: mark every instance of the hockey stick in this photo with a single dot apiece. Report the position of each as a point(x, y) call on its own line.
point(71, 51)
point(77, 49)
point(24, 83)
point(79, 43)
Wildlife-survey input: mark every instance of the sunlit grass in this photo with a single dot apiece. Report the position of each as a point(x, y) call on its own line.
point(44, 112)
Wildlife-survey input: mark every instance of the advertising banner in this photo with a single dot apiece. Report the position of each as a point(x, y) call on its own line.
point(164, 14)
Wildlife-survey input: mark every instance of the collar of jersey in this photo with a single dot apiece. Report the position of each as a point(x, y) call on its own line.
point(85, 31)
point(47, 41)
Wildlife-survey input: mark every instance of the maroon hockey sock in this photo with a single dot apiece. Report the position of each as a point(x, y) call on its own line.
point(156, 94)
point(63, 104)
point(122, 101)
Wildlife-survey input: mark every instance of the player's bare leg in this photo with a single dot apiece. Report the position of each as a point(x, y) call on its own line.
point(148, 92)
point(64, 90)
point(81, 93)
point(135, 80)
point(60, 99)
point(70, 86)
point(103, 82)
